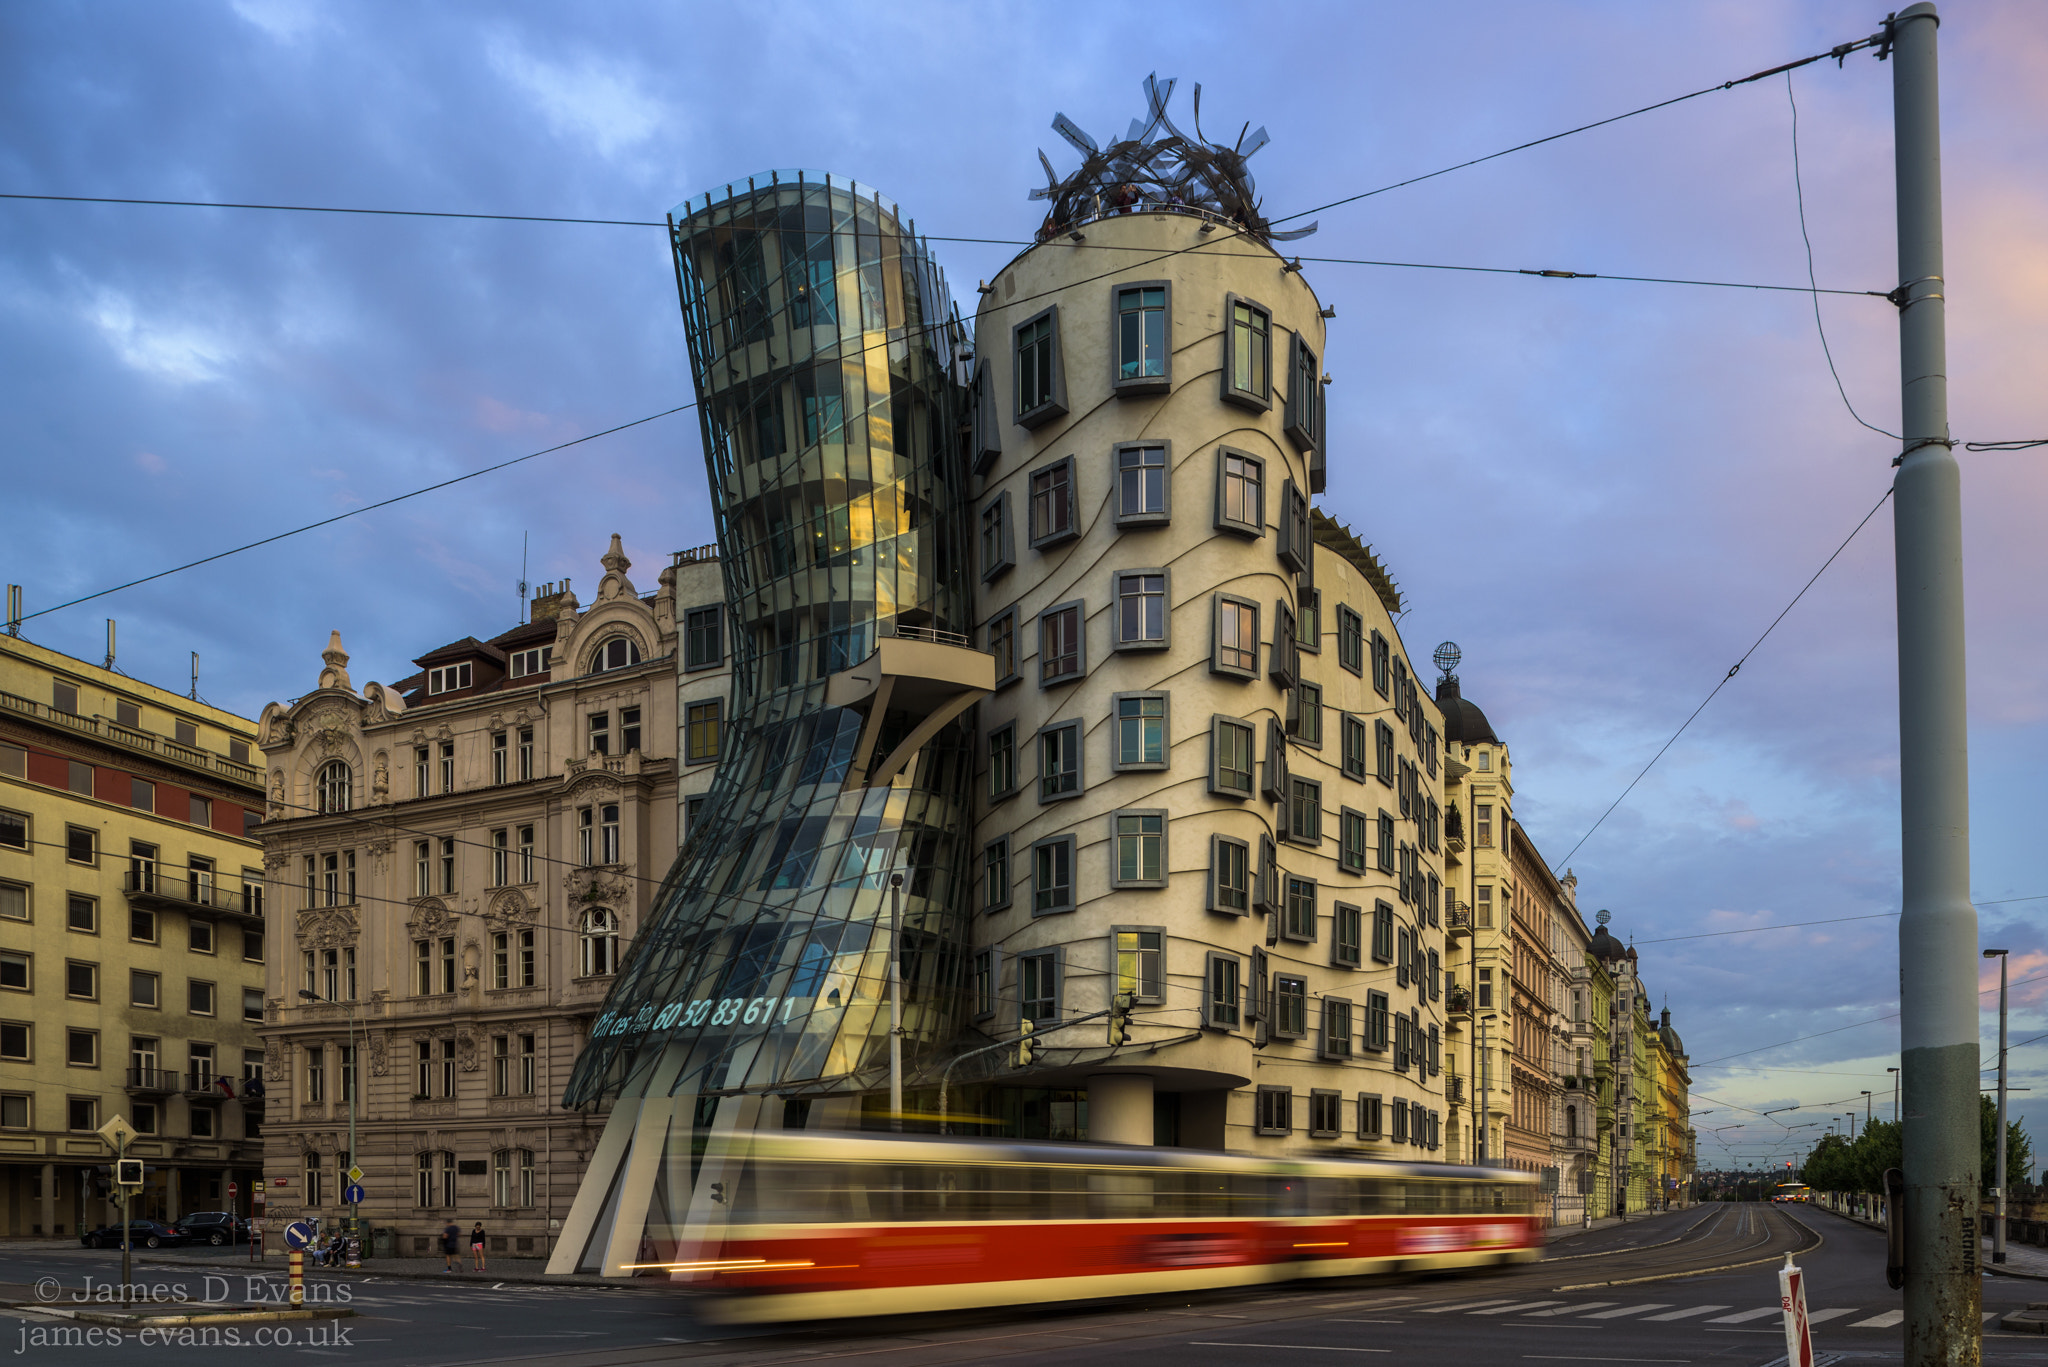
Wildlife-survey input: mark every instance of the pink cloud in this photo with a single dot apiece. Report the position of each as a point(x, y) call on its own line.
point(494, 416)
point(152, 462)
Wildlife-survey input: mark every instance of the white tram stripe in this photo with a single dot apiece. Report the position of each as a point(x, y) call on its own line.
point(1570, 1309)
point(1628, 1310)
point(1686, 1313)
point(1822, 1316)
point(1744, 1316)
point(1462, 1305)
point(1291, 1347)
point(1885, 1321)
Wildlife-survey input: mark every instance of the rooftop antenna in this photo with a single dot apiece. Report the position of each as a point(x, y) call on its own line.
point(14, 609)
point(522, 577)
point(110, 643)
point(195, 676)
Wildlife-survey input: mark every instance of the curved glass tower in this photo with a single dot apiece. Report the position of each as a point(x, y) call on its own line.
point(824, 346)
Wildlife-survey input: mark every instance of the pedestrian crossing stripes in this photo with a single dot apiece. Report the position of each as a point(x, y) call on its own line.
point(1594, 1312)
point(1745, 1316)
point(1687, 1313)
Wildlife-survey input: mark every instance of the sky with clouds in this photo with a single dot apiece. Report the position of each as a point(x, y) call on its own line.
point(1603, 491)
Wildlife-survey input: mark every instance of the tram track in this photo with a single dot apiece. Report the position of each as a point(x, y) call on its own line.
point(1760, 1234)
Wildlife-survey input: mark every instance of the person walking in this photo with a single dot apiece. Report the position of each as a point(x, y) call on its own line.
point(476, 1245)
point(451, 1246)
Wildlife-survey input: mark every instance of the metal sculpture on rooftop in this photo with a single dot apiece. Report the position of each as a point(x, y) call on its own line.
point(1156, 166)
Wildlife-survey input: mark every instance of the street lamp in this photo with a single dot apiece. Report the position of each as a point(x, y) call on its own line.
point(1998, 1191)
point(354, 1076)
point(1895, 1094)
point(1866, 1108)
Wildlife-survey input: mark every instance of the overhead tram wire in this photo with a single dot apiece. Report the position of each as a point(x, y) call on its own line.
point(1733, 670)
point(1874, 1020)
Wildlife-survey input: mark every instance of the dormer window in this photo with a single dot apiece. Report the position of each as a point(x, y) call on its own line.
point(617, 653)
point(535, 661)
point(447, 678)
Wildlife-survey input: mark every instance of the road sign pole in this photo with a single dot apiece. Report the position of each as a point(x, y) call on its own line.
point(1937, 925)
point(127, 1221)
point(298, 1274)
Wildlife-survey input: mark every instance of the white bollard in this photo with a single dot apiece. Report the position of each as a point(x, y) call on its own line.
point(1792, 1297)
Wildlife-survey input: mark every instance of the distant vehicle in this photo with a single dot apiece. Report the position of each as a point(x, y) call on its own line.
point(1792, 1193)
point(824, 1226)
point(141, 1234)
point(216, 1227)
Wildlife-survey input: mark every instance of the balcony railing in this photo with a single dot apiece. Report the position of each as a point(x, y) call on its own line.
point(159, 1081)
point(205, 1083)
point(129, 738)
point(934, 635)
point(187, 888)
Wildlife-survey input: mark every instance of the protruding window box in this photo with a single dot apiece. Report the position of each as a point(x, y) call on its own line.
point(931, 675)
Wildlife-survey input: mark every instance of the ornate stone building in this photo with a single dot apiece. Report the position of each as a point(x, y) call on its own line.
point(458, 861)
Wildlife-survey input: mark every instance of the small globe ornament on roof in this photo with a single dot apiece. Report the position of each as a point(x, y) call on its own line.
point(1447, 656)
point(1604, 916)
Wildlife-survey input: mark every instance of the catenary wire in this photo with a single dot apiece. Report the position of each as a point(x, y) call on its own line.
point(1874, 1020)
point(1732, 671)
point(1838, 52)
point(1799, 191)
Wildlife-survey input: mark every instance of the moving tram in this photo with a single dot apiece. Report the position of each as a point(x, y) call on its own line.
point(811, 1226)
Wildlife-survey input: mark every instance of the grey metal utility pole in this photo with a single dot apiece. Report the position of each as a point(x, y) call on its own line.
point(896, 1002)
point(1485, 1089)
point(1998, 1180)
point(1937, 927)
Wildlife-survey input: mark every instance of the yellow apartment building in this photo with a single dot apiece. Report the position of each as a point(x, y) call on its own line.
point(131, 943)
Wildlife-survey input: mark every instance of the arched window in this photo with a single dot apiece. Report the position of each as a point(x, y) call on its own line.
point(616, 653)
point(336, 786)
point(436, 1179)
point(512, 1177)
point(600, 943)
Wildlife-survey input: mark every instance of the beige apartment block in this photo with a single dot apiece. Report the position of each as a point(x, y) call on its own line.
point(1210, 783)
point(460, 860)
point(1480, 962)
point(131, 943)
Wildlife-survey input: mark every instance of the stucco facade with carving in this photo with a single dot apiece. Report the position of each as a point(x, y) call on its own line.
point(458, 861)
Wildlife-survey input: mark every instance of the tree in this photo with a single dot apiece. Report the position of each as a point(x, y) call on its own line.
point(2019, 1150)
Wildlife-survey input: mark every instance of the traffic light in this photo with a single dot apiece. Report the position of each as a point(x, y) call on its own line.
point(128, 1172)
point(101, 1178)
point(1120, 1020)
point(1027, 1047)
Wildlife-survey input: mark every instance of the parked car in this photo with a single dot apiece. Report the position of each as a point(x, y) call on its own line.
point(214, 1227)
point(141, 1234)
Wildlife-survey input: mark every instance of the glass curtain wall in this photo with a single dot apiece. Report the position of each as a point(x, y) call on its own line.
point(826, 353)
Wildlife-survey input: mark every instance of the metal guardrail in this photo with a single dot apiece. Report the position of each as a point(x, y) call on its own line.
point(132, 739)
point(934, 636)
point(155, 1080)
point(166, 883)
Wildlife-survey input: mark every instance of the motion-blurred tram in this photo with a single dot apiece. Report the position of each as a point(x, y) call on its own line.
point(814, 1226)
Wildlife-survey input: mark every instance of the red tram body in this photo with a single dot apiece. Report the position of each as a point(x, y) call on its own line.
point(816, 1226)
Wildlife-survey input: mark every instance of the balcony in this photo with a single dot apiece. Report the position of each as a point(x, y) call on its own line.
point(1458, 923)
point(205, 1083)
point(155, 1082)
point(1454, 1090)
point(114, 733)
point(158, 885)
point(924, 676)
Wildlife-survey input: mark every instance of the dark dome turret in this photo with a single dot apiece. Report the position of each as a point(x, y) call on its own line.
point(1464, 723)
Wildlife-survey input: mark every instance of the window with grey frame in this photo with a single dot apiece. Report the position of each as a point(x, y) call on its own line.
point(1305, 714)
point(1055, 514)
point(1038, 985)
point(1383, 752)
point(1383, 932)
point(1223, 992)
point(1231, 758)
point(1258, 1004)
point(1302, 415)
point(1352, 759)
point(1347, 935)
point(1376, 1022)
point(1290, 1006)
point(1062, 651)
point(1052, 875)
point(1236, 637)
point(998, 538)
point(1139, 737)
point(1308, 622)
point(1143, 345)
point(1304, 811)
point(1350, 640)
point(1275, 1110)
point(1230, 875)
point(1059, 761)
point(1382, 665)
point(1294, 546)
point(1240, 493)
point(1370, 1115)
point(1298, 909)
point(1247, 354)
point(1144, 484)
point(1334, 1037)
point(1352, 841)
point(1002, 645)
point(1386, 843)
point(1041, 385)
point(703, 638)
point(1141, 609)
point(987, 985)
point(1138, 956)
point(1002, 761)
point(1266, 890)
point(995, 874)
point(1283, 660)
point(1399, 1130)
point(1138, 849)
point(1274, 775)
point(986, 432)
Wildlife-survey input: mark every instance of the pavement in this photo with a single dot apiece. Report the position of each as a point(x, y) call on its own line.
point(2021, 1260)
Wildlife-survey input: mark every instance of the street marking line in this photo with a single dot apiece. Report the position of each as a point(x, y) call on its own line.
point(1571, 1309)
point(1685, 1314)
point(1990, 1315)
point(1884, 1321)
point(1462, 1305)
point(1744, 1316)
point(1375, 1303)
point(1351, 1321)
point(1540, 1357)
point(1515, 1306)
point(1291, 1347)
point(1822, 1315)
point(1628, 1310)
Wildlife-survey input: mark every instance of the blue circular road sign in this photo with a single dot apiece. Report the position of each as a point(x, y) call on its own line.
point(352, 1195)
point(298, 1234)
